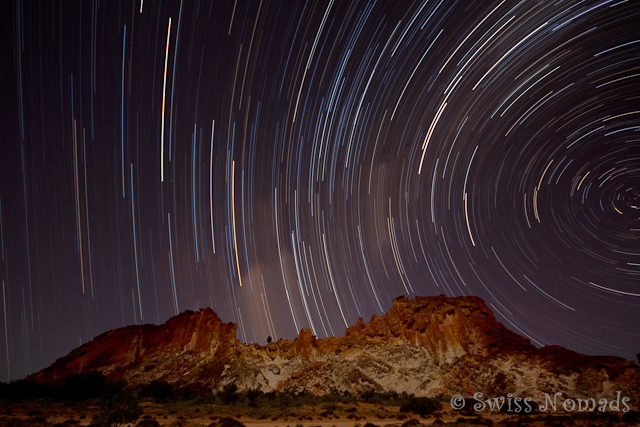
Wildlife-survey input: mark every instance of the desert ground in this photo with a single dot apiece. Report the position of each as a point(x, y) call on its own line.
point(185, 413)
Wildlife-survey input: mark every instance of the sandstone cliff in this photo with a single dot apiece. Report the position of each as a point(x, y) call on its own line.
point(425, 346)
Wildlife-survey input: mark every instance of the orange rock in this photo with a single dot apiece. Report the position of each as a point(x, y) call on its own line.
point(452, 344)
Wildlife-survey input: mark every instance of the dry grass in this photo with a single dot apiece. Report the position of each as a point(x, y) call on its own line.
point(191, 413)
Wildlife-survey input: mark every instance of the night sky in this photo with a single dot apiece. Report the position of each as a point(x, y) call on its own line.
point(300, 164)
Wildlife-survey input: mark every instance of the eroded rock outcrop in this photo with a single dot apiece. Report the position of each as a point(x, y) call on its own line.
point(426, 346)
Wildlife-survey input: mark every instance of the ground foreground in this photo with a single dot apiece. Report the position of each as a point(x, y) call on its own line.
point(185, 413)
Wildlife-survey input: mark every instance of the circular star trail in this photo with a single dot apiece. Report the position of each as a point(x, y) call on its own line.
point(300, 164)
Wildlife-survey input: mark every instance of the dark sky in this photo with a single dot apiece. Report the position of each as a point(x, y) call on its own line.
point(300, 164)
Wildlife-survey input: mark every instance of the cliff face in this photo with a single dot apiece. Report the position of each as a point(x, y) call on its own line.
point(119, 352)
point(426, 346)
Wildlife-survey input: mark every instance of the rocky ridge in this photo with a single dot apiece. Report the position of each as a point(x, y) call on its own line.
point(425, 346)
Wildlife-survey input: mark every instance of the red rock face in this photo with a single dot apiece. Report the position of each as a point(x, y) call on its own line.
point(426, 346)
point(445, 326)
point(113, 352)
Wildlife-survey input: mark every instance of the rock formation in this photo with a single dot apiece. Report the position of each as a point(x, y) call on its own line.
point(426, 346)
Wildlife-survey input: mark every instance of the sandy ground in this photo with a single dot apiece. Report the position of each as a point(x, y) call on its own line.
point(181, 414)
point(281, 423)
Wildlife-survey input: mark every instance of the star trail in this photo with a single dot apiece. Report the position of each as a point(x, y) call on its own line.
point(300, 164)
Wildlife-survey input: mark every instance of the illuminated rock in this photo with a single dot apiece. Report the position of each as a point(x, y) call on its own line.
point(425, 346)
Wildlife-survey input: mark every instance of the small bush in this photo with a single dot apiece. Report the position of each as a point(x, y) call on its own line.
point(229, 394)
point(388, 398)
point(180, 422)
point(120, 408)
point(411, 423)
point(23, 389)
point(77, 387)
point(468, 408)
point(253, 395)
point(229, 422)
point(110, 388)
point(420, 405)
point(160, 391)
point(631, 416)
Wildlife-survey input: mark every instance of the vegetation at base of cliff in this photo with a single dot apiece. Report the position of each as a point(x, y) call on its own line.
point(196, 412)
point(23, 404)
point(116, 409)
point(93, 386)
point(76, 388)
point(420, 405)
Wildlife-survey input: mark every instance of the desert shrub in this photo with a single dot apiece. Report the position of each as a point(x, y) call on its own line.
point(557, 421)
point(160, 391)
point(187, 392)
point(607, 417)
point(304, 398)
point(4, 390)
point(180, 422)
point(229, 394)
point(631, 416)
point(110, 387)
point(411, 423)
point(77, 387)
point(420, 405)
point(286, 399)
point(388, 398)
point(120, 408)
point(253, 395)
point(468, 408)
point(229, 422)
point(23, 389)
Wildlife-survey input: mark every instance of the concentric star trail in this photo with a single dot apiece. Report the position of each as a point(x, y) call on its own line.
point(300, 164)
